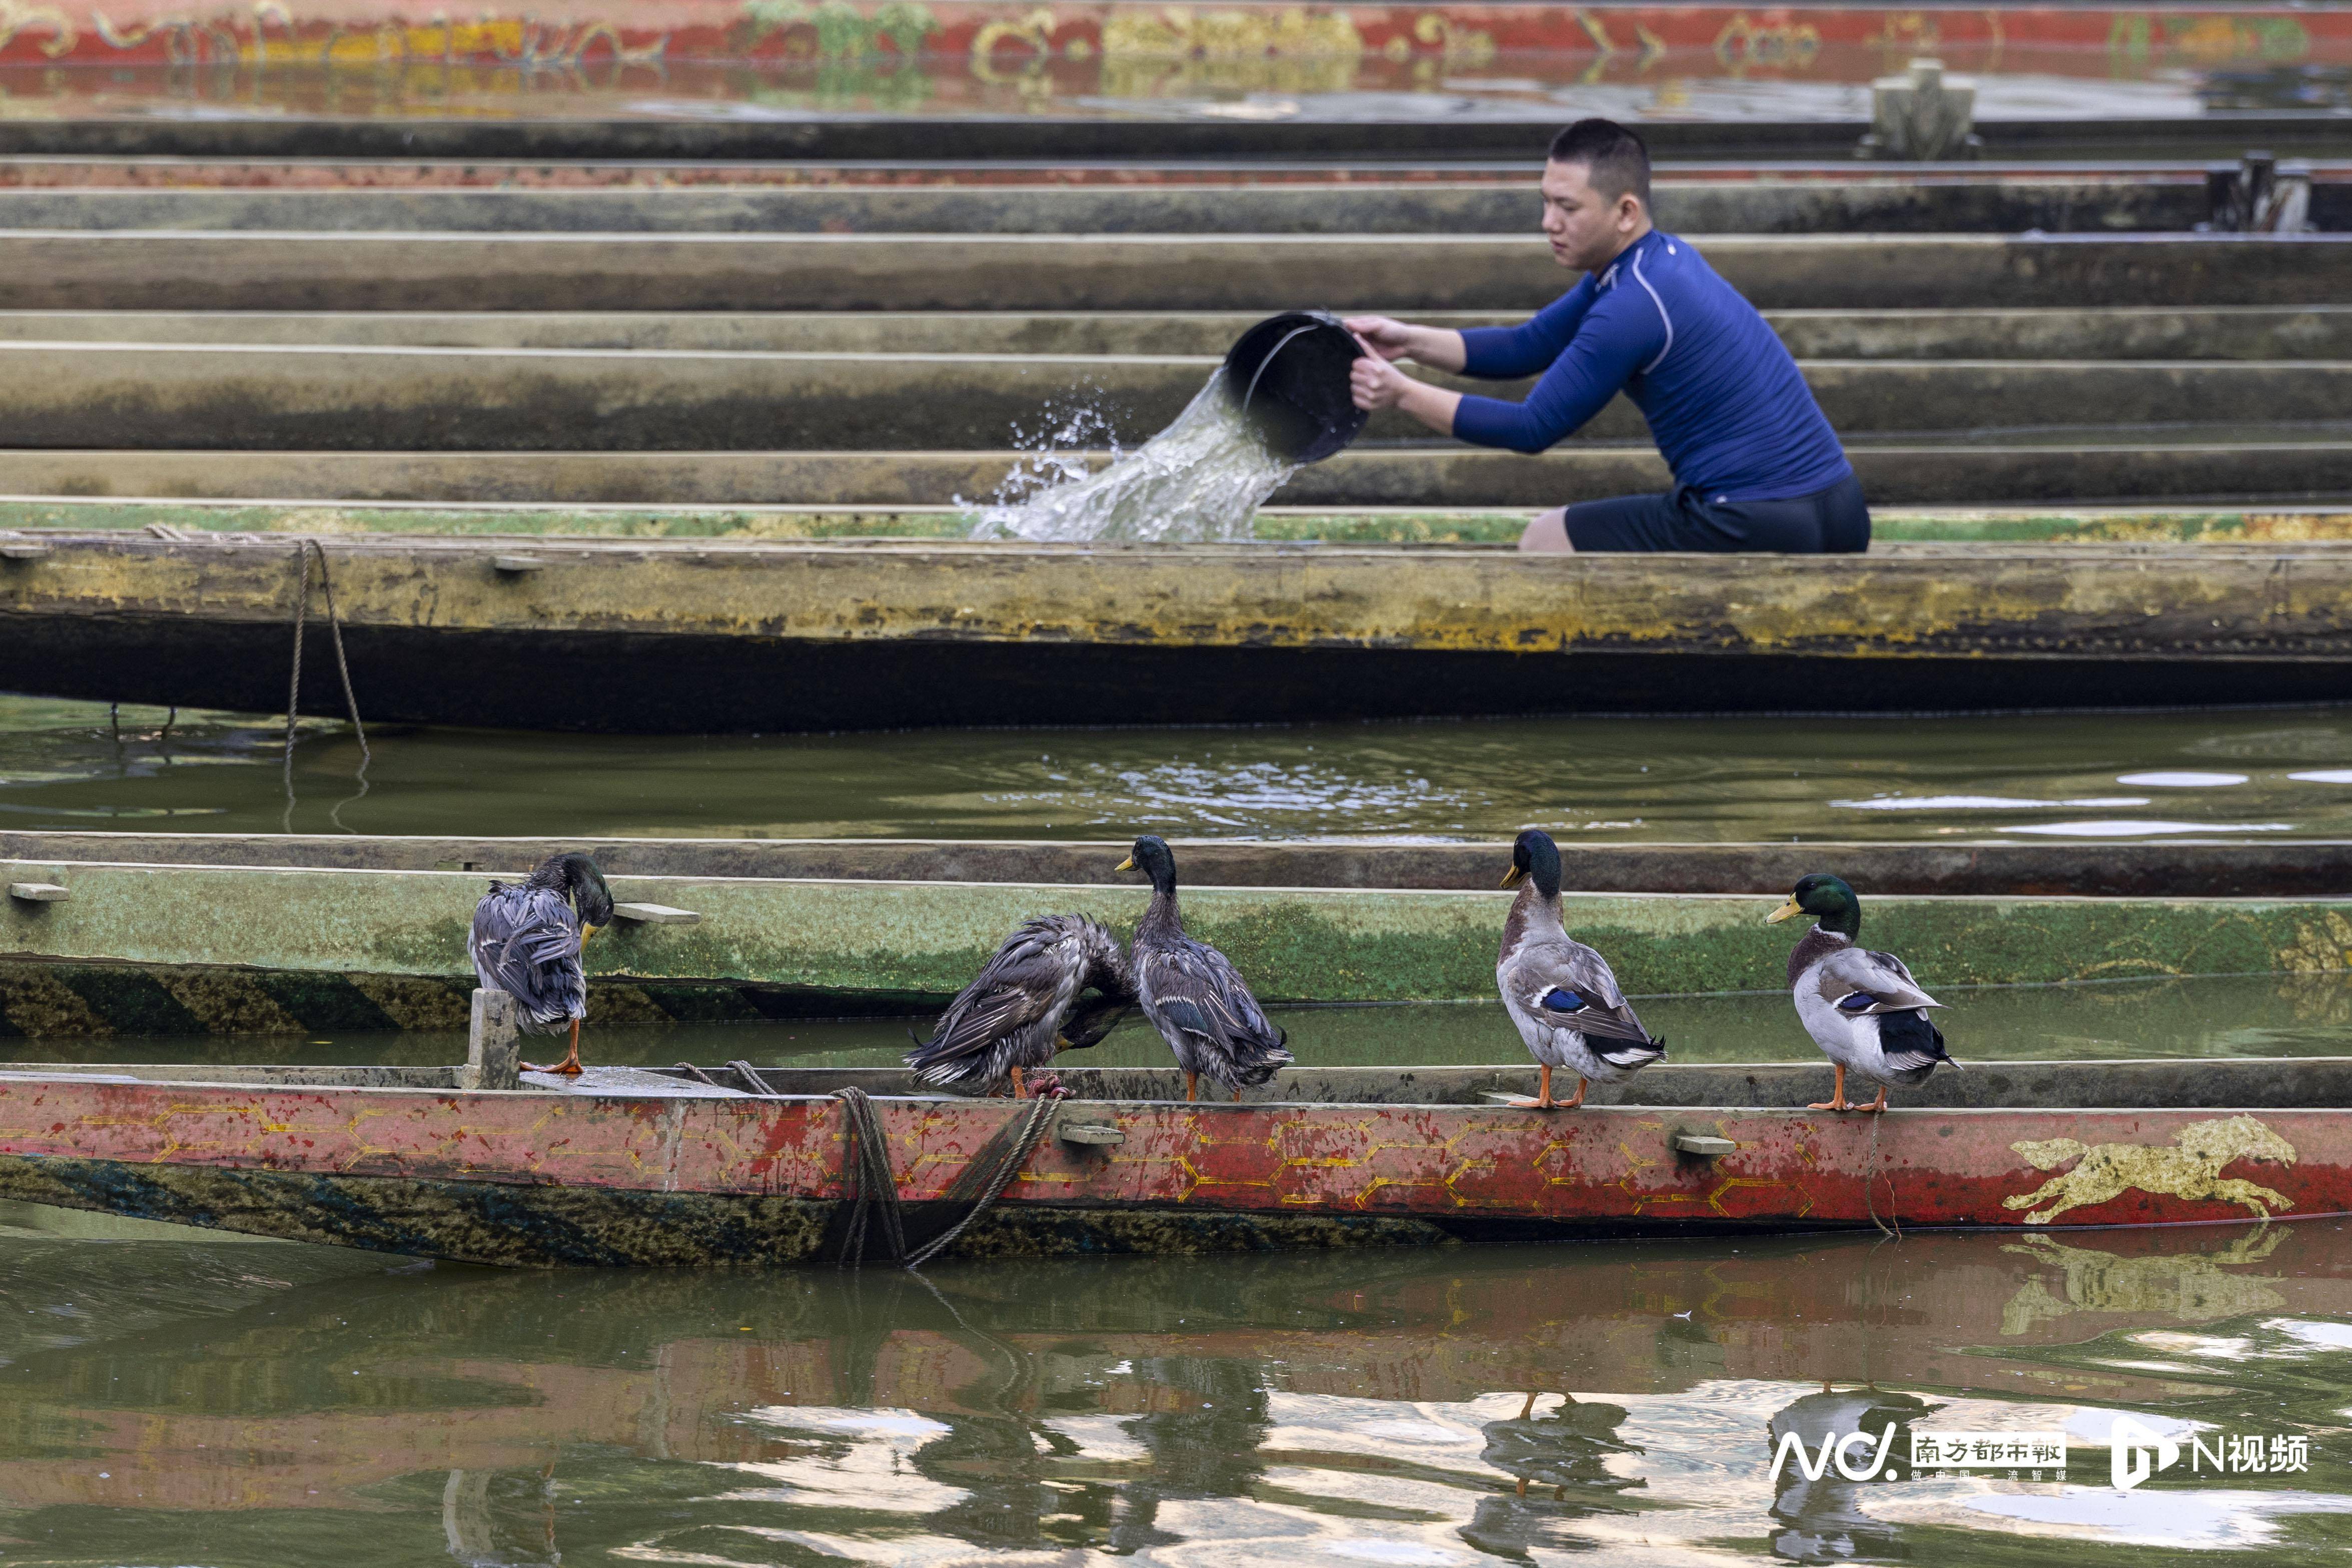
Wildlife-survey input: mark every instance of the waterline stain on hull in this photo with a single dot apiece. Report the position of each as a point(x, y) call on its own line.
point(557, 1226)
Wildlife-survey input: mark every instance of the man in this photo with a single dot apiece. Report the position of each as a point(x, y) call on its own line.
point(1756, 465)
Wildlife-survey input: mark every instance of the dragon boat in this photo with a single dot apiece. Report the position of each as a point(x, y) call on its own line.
point(744, 1165)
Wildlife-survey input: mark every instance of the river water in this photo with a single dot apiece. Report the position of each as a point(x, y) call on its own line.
point(2252, 773)
point(186, 1398)
point(170, 1401)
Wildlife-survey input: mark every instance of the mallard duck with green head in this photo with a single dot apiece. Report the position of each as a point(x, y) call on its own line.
point(1862, 1007)
point(1192, 994)
point(1562, 995)
point(527, 941)
point(1023, 1007)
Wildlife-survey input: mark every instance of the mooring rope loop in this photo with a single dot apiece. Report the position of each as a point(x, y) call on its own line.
point(871, 1190)
point(303, 550)
point(867, 1184)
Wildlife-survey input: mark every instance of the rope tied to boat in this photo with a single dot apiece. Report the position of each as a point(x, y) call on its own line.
point(984, 1180)
point(1869, 1202)
point(867, 1184)
point(303, 550)
point(871, 1191)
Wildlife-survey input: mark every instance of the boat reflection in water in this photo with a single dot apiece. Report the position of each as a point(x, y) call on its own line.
point(1431, 1408)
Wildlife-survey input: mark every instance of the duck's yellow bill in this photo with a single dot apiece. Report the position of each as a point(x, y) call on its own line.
point(1511, 878)
point(1784, 912)
point(586, 932)
point(1126, 864)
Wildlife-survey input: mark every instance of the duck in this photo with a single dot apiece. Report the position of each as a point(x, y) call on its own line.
point(1862, 1008)
point(527, 941)
point(1192, 994)
point(1023, 1006)
point(1559, 992)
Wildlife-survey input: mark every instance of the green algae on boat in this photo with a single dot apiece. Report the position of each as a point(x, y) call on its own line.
point(233, 948)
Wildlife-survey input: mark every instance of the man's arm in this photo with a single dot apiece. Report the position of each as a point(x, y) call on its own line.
point(1612, 343)
point(1375, 383)
point(1493, 353)
point(1506, 354)
point(1439, 348)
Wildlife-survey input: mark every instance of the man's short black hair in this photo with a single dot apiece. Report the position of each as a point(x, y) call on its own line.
point(1615, 160)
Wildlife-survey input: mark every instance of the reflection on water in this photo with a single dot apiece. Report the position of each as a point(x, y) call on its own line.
point(2226, 1015)
point(64, 764)
point(203, 1401)
point(2188, 1289)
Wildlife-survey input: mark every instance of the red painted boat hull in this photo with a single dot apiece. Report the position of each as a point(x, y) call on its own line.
point(583, 1177)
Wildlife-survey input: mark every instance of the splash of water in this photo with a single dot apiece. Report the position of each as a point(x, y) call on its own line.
point(1201, 478)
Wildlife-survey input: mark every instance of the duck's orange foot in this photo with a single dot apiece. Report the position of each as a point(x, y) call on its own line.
point(1829, 1105)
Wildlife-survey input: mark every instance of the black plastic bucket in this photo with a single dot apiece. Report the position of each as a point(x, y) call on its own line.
point(1290, 376)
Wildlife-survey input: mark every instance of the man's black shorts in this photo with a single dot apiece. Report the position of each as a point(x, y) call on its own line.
point(1834, 521)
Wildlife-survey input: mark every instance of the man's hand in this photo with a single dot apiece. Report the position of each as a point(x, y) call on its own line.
point(1381, 335)
point(1375, 383)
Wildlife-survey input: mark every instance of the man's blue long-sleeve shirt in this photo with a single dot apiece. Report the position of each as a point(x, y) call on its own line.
point(1727, 404)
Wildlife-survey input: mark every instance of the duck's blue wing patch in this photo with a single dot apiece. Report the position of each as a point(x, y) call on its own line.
point(1559, 1000)
point(1188, 1016)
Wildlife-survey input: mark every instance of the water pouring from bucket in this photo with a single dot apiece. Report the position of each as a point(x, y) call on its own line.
point(1279, 402)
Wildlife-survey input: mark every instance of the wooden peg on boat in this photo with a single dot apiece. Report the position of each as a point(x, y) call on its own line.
point(493, 1048)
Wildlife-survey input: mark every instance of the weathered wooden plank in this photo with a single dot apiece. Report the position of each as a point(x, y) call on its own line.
point(695, 635)
point(2279, 602)
point(2213, 868)
point(291, 270)
point(913, 493)
point(897, 940)
point(376, 398)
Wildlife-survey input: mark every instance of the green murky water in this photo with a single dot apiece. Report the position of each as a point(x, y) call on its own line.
point(2069, 776)
point(2234, 1016)
point(217, 1402)
point(177, 1397)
